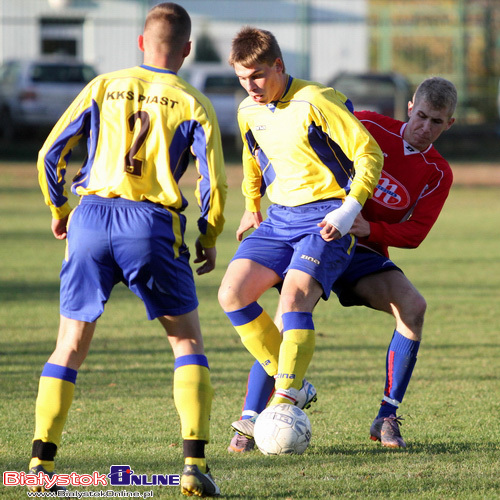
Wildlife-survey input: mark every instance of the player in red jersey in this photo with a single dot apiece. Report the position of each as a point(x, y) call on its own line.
point(406, 203)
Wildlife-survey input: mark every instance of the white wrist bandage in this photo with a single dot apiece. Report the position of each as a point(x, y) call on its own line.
point(343, 217)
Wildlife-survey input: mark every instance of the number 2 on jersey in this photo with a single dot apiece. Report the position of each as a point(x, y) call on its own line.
point(133, 165)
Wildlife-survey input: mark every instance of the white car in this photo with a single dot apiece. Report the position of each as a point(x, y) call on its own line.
point(219, 83)
point(35, 93)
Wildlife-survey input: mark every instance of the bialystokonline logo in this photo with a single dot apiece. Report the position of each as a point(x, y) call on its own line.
point(123, 475)
point(119, 475)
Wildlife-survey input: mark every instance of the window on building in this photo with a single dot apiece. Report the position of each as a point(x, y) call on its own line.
point(61, 36)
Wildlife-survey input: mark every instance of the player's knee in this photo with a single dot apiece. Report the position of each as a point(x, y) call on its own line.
point(288, 302)
point(415, 311)
point(227, 298)
point(420, 308)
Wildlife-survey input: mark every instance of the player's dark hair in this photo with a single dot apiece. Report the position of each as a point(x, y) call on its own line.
point(176, 17)
point(439, 93)
point(253, 46)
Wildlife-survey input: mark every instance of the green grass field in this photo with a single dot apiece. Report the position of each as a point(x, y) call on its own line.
point(123, 411)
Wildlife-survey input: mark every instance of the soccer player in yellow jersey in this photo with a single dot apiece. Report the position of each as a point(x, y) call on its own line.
point(318, 165)
point(407, 201)
point(140, 125)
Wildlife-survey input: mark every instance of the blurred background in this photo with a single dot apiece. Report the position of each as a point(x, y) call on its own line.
point(375, 51)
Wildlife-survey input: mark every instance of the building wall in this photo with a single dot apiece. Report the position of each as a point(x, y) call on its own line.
point(318, 37)
point(317, 43)
point(108, 32)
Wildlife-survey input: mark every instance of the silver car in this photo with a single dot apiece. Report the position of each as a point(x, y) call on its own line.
point(35, 93)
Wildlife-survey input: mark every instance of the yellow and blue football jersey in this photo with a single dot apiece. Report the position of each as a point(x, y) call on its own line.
point(140, 124)
point(306, 147)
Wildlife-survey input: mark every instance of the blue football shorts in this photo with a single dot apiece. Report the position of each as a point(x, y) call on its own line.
point(289, 238)
point(363, 263)
point(139, 243)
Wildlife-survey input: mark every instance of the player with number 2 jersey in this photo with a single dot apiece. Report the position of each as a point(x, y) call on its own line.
point(158, 118)
point(141, 125)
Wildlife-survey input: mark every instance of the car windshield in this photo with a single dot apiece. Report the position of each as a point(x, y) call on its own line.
point(61, 73)
point(222, 84)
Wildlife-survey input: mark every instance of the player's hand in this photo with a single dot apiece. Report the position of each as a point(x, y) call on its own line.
point(249, 220)
point(329, 232)
point(205, 255)
point(339, 221)
point(360, 227)
point(59, 228)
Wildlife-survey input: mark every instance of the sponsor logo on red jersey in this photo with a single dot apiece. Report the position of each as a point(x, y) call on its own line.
point(391, 193)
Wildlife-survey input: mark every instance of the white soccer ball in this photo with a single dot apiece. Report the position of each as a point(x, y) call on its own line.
point(282, 429)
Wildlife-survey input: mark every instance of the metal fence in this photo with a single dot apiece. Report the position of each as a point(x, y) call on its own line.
point(456, 39)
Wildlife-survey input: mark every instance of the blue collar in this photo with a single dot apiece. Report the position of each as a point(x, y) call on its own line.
point(158, 70)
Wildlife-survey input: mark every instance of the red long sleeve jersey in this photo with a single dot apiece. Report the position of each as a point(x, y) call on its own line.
point(411, 191)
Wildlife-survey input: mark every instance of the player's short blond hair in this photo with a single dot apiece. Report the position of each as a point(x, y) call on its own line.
point(439, 93)
point(253, 46)
point(170, 24)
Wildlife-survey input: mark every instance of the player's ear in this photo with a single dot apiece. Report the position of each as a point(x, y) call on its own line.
point(451, 121)
point(410, 107)
point(140, 42)
point(279, 65)
point(187, 49)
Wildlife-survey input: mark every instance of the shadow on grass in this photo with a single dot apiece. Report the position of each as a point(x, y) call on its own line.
point(414, 448)
point(10, 190)
point(15, 292)
point(32, 236)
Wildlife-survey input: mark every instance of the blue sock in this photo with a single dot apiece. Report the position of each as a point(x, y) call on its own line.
point(400, 361)
point(260, 387)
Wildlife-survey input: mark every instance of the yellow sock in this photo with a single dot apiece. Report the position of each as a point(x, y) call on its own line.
point(296, 352)
point(55, 395)
point(258, 334)
point(193, 394)
point(200, 462)
point(52, 405)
